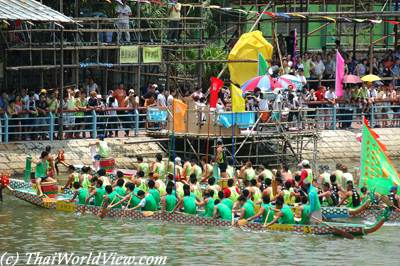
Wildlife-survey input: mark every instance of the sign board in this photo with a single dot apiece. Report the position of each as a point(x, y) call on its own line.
point(65, 206)
point(129, 54)
point(152, 54)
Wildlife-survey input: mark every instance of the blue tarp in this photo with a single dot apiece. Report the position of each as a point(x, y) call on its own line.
point(242, 120)
point(156, 115)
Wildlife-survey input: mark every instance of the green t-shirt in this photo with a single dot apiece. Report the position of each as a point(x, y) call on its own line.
point(120, 191)
point(248, 209)
point(156, 195)
point(209, 208)
point(189, 205)
point(170, 202)
point(98, 197)
point(145, 168)
point(228, 202)
point(224, 212)
point(288, 217)
point(41, 169)
point(305, 215)
point(134, 201)
point(151, 204)
point(82, 195)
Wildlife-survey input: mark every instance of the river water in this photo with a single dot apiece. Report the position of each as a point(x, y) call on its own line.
point(25, 228)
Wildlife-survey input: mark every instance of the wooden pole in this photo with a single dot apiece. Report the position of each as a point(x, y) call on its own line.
point(318, 29)
point(60, 116)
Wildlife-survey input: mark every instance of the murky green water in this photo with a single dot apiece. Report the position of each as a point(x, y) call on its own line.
point(25, 228)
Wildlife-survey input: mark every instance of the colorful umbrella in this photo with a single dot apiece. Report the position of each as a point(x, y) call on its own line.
point(290, 80)
point(370, 78)
point(352, 79)
point(263, 82)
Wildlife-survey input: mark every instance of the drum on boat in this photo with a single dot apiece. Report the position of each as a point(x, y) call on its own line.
point(50, 189)
point(107, 163)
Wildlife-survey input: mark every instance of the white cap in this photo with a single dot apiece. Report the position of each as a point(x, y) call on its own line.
point(131, 91)
point(304, 162)
point(178, 160)
point(155, 85)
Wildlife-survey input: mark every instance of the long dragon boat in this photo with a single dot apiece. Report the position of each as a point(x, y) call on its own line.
point(25, 192)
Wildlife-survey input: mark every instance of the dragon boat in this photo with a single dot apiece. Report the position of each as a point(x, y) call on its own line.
point(24, 191)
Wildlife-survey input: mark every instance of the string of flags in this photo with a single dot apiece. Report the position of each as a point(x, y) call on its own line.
point(275, 15)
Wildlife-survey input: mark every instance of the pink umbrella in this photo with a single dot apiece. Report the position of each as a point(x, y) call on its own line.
point(265, 83)
point(352, 79)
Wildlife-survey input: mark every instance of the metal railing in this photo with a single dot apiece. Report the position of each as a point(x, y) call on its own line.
point(110, 122)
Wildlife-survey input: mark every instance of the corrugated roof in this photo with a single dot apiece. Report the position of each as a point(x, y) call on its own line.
point(29, 10)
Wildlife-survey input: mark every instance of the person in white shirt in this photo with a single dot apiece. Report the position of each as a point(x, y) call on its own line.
point(319, 68)
point(174, 20)
point(112, 120)
point(123, 12)
point(161, 100)
point(170, 98)
point(330, 97)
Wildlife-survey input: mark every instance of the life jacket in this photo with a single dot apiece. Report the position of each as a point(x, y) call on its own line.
point(335, 193)
point(4, 180)
point(355, 198)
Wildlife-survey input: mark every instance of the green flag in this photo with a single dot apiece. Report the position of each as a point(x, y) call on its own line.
point(262, 65)
point(377, 171)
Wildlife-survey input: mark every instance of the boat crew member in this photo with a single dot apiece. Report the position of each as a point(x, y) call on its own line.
point(159, 167)
point(283, 213)
point(73, 176)
point(85, 177)
point(41, 171)
point(195, 187)
point(186, 170)
point(147, 202)
point(142, 166)
point(264, 173)
point(327, 197)
point(196, 169)
point(119, 188)
point(103, 151)
point(247, 171)
point(351, 196)
point(288, 193)
point(220, 158)
point(111, 200)
point(304, 211)
point(131, 197)
point(188, 202)
point(102, 175)
point(335, 188)
point(168, 202)
point(224, 198)
point(154, 192)
point(207, 170)
point(51, 168)
point(265, 209)
point(306, 172)
point(394, 198)
point(315, 206)
point(98, 193)
point(232, 190)
point(246, 207)
point(208, 203)
point(178, 169)
point(222, 211)
point(213, 186)
point(80, 192)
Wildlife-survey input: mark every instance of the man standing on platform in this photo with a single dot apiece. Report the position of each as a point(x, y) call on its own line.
point(174, 17)
point(124, 12)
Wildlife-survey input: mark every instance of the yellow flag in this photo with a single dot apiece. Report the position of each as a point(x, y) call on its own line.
point(179, 112)
point(238, 104)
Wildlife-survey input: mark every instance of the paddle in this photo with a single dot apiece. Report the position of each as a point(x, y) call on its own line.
point(147, 213)
point(125, 210)
point(266, 218)
point(104, 211)
point(335, 229)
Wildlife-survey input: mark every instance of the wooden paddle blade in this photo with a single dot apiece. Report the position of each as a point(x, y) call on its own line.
point(242, 222)
point(148, 213)
point(103, 213)
point(342, 233)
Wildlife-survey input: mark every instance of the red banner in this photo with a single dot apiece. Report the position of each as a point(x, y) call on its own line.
point(216, 85)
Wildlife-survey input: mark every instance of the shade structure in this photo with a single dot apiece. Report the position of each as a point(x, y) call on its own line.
point(248, 47)
point(352, 79)
point(370, 78)
point(290, 80)
point(263, 82)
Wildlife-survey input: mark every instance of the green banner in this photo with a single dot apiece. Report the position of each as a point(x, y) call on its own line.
point(152, 54)
point(129, 54)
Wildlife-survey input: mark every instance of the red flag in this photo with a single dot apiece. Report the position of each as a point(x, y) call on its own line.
point(216, 85)
point(393, 22)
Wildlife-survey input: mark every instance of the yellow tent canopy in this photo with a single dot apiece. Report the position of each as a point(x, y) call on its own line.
point(247, 48)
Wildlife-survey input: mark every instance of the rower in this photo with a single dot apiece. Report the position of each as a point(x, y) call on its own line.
point(315, 206)
point(142, 166)
point(178, 169)
point(335, 188)
point(327, 197)
point(51, 168)
point(306, 172)
point(213, 186)
point(102, 152)
point(188, 202)
point(159, 184)
point(394, 198)
point(85, 177)
point(283, 213)
point(246, 208)
point(233, 190)
point(159, 167)
point(222, 211)
point(168, 202)
point(119, 188)
point(130, 196)
point(154, 192)
point(98, 193)
point(247, 171)
point(220, 158)
point(110, 199)
point(80, 192)
point(351, 195)
point(195, 187)
point(255, 191)
point(266, 209)
point(147, 202)
point(73, 176)
point(224, 198)
point(208, 203)
point(41, 171)
point(304, 211)
point(195, 169)
point(102, 175)
point(288, 193)
point(186, 170)
point(264, 173)
point(207, 170)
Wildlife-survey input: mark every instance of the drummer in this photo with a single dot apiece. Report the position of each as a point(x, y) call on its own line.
point(41, 171)
point(103, 151)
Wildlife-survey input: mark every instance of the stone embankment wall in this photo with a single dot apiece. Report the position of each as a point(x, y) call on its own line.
point(342, 146)
point(13, 155)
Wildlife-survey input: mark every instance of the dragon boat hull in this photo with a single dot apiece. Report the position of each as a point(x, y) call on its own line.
point(24, 192)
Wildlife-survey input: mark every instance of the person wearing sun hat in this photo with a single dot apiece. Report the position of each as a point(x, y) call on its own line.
point(306, 172)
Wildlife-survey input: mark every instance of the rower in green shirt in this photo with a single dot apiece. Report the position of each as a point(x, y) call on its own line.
point(159, 167)
point(246, 208)
point(188, 202)
point(119, 189)
point(283, 213)
point(154, 192)
point(130, 196)
point(227, 201)
point(81, 193)
point(111, 199)
point(98, 193)
point(266, 209)
point(208, 203)
point(222, 211)
point(169, 201)
point(304, 211)
point(147, 202)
